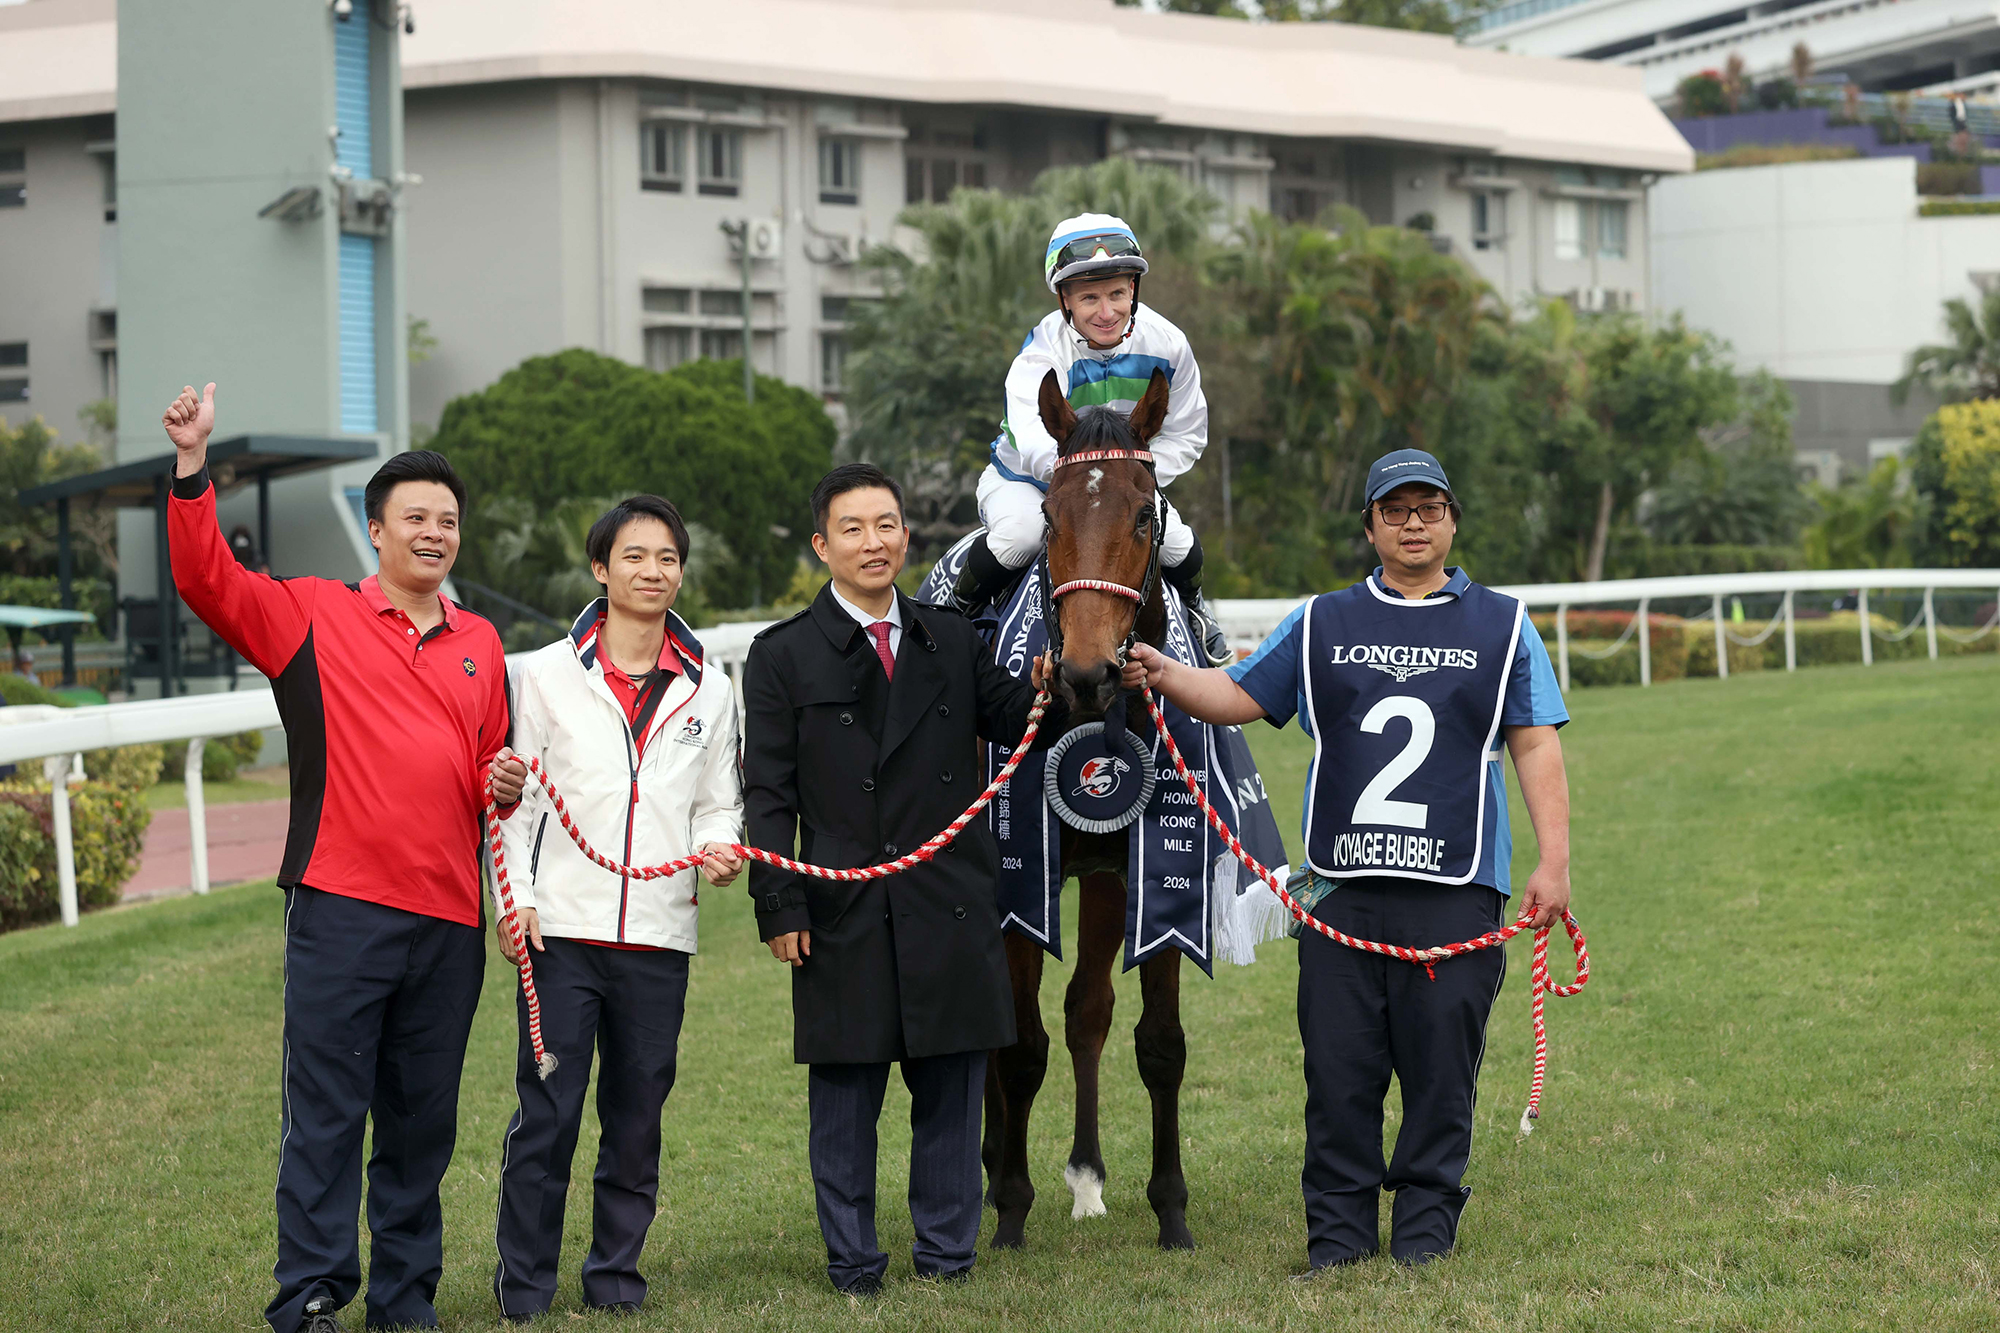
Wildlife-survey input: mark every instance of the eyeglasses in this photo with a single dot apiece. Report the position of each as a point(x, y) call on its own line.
point(1430, 511)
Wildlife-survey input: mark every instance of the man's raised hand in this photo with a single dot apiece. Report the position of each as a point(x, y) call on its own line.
point(188, 420)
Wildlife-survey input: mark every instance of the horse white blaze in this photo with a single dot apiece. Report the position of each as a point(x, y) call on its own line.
point(1088, 1188)
point(1096, 480)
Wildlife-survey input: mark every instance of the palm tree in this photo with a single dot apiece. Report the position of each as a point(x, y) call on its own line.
point(1964, 368)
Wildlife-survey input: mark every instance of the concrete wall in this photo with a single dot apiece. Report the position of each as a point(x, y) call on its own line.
point(67, 269)
point(1816, 270)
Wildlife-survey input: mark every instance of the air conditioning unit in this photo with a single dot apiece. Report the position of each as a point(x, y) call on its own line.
point(766, 238)
point(841, 248)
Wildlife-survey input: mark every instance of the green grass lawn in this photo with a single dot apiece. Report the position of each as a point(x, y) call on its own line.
point(1773, 1108)
point(263, 784)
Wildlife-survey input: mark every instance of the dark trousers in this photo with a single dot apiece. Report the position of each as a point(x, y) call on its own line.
point(1362, 1017)
point(945, 1104)
point(378, 1002)
point(628, 1004)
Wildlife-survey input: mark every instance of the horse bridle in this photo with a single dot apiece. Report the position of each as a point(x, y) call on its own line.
point(1138, 596)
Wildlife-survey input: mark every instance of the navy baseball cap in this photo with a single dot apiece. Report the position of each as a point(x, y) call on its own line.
point(1398, 468)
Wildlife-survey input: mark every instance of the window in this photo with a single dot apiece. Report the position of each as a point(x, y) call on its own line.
point(13, 168)
point(667, 348)
point(1489, 220)
point(721, 344)
point(832, 361)
point(1611, 229)
point(833, 309)
point(721, 161)
point(662, 156)
point(933, 179)
point(722, 303)
point(839, 171)
point(1569, 229)
point(1296, 205)
point(664, 300)
point(13, 387)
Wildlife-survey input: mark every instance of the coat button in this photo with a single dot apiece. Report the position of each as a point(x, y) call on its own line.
point(958, 912)
point(944, 710)
point(890, 848)
point(945, 776)
point(868, 784)
point(847, 719)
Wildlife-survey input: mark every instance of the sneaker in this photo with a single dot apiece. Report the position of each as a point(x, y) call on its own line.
point(319, 1317)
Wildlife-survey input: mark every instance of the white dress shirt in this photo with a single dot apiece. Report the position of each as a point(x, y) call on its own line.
point(862, 618)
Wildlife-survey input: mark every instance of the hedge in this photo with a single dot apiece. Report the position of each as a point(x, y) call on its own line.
point(221, 758)
point(108, 821)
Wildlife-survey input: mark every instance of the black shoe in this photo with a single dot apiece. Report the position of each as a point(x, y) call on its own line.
point(619, 1308)
point(319, 1318)
point(982, 579)
point(1318, 1271)
point(866, 1287)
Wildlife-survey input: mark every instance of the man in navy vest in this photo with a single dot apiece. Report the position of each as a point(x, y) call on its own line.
point(1407, 683)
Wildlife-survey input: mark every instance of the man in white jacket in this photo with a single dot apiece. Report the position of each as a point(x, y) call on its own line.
point(1103, 346)
point(640, 740)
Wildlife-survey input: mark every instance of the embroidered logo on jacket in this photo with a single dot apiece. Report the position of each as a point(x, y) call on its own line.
point(694, 732)
point(471, 667)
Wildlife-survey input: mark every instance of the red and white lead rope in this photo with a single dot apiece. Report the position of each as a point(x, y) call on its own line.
point(545, 1061)
point(1540, 983)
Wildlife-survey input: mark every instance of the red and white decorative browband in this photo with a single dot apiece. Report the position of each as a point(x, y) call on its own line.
point(1096, 585)
point(1106, 455)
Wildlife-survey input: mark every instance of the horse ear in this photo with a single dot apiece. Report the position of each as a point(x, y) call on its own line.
point(1150, 413)
point(1057, 417)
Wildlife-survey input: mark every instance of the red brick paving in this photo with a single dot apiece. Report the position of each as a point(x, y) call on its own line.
point(245, 841)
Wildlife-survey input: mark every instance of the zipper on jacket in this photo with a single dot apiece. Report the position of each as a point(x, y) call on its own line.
point(631, 810)
point(535, 861)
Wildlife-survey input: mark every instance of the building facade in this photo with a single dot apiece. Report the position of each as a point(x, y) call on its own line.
point(588, 175)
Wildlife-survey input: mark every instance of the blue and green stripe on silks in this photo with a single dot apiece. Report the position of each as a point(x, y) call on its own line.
point(1120, 381)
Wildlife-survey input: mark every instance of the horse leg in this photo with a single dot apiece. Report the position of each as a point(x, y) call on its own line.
point(1161, 1046)
point(1018, 1071)
point(1086, 1023)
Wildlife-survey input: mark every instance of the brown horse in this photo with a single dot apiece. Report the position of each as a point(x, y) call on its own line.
point(1103, 528)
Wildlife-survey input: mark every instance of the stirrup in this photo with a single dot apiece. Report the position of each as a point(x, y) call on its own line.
point(1208, 633)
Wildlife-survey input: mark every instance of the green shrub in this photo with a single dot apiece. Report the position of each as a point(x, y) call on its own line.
point(1702, 95)
point(107, 831)
point(1935, 178)
point(1956, 208)
point(1773, 154)
point(128, 768)
point(221, 758)
point(20, 690)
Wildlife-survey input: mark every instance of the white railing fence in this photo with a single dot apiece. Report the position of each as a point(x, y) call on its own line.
point(58, 735)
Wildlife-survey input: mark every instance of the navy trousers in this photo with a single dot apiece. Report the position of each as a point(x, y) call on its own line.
point(945, 1105)
point(1363, 1017)
point(378, 1003)
point(627, 1004)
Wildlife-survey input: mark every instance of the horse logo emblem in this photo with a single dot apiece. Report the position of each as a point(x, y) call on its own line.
point(1100, 776)
point(693, 732)
point(1401, 673)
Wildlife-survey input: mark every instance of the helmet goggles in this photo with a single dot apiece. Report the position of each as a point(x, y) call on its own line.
point(1088, 254)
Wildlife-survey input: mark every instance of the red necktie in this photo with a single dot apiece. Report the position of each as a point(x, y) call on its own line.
point(880, 631)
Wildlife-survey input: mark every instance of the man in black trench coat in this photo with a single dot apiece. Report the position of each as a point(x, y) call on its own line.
point(863, 716)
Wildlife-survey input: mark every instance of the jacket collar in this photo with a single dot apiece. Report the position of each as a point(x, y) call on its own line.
point(841, 628)
point(680, 639)
point(1455, 584)
point(370, 589)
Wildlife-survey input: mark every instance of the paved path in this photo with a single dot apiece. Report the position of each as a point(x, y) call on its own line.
point(245, 841)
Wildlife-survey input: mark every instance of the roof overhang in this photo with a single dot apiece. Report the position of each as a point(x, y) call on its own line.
point(231, 463)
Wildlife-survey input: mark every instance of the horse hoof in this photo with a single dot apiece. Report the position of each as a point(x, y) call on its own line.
point(1175, 1236)
point(1010, 1234)
point(1087, 1187)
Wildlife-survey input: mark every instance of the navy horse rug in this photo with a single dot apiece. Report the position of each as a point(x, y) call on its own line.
point(1184, 887)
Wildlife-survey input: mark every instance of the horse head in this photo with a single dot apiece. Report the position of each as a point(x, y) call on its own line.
point(1105, 527)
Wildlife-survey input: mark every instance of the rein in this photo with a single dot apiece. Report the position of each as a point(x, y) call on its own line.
point(1540, 983)
point(1138, 596)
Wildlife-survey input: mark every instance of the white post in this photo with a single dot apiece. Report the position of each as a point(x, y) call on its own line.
point(1562, 646)
point(1867, 636)
point(1930, 622)
point(1721, 641)
point(1645, 645)
point(56, 769)
point(1791, 639)
point(197, 818)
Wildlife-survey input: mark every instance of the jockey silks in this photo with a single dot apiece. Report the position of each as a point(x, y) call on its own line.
point(1404, 701)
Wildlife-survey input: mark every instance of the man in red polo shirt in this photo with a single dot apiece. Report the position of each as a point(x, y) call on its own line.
point(394, 703)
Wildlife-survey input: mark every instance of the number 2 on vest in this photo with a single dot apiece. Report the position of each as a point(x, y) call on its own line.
point(1375, 807)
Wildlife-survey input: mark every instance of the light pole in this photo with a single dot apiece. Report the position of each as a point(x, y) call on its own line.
point(739, 233)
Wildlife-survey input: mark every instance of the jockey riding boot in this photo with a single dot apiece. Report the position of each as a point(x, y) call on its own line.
point(1186, 578)
point(982, 579)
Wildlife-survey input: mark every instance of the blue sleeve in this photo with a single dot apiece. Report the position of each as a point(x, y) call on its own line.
point(1533, 697)
point(1273, 675)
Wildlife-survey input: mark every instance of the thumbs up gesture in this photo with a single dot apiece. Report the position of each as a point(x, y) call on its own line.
point(189, 420)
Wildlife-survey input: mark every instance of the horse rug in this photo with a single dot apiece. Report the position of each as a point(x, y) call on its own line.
point(1184, 888)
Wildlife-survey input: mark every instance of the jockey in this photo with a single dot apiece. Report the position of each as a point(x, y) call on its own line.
point(1105, 346)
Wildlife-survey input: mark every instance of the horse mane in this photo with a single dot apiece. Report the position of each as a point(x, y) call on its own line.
point(1099, 427)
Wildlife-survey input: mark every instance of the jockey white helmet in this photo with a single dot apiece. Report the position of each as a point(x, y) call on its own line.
point(1092, 245)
